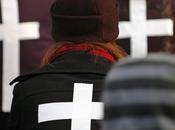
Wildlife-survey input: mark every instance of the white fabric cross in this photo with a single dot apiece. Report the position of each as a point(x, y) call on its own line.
point(80, 111)
point(11, 32)
point(139, 28)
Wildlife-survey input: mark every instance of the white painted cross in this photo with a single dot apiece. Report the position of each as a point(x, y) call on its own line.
point(11, 32)
point(81, 110)
point(139, 28)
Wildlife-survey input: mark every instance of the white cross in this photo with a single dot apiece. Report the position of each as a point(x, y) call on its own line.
point(11, 31)
point(139, 28)
point(81, 110)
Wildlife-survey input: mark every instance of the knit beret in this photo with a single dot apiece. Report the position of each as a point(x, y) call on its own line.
point(85, 20)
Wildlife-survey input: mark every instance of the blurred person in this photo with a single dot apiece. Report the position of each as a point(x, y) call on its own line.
point(85, 32)
point(140, 94)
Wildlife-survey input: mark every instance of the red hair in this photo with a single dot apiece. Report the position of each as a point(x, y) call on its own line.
point(57, 49)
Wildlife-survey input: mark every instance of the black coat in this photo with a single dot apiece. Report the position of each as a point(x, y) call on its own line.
point(70, 78)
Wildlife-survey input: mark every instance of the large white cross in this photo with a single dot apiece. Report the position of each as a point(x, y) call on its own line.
point(11, 32)
point(139, 28)
point(80, 111)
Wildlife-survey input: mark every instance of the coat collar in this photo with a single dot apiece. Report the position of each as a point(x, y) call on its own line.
point(70, 63)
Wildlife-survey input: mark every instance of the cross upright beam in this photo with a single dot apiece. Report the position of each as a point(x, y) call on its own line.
point(11, 32)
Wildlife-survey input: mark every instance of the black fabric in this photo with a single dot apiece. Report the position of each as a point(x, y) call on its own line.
point(54, 83)
point(4, 120)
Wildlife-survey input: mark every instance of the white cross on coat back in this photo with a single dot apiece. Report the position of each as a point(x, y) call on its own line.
point(81, 110)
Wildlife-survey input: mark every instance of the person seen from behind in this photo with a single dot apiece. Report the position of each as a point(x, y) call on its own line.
point(140, 93)
point(60, 93)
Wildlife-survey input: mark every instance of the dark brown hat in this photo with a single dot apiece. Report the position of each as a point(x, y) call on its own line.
point(85, 20)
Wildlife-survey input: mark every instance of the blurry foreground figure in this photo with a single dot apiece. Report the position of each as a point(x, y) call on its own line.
point(60, 95)
point(140, 94)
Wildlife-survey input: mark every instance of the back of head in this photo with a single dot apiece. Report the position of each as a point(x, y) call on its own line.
point(140, 94)
point(85, 20)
